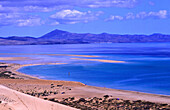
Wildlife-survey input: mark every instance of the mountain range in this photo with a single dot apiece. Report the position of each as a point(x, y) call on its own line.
point(64, 37)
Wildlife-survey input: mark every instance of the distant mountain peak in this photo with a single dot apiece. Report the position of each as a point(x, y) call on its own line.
point(59, 31)
point(63, 37)
point(157, 34)
point(55, 33)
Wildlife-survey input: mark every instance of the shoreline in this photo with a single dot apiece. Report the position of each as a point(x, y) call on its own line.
point(74, 94)
point(25, 65)
point(15, 70)
point(23, 75)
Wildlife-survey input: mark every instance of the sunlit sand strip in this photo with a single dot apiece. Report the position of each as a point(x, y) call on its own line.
point(100, 60)
point(84, 55)
point(14, 58)
point(43, 64)
point(73, 55)
point(49, 54)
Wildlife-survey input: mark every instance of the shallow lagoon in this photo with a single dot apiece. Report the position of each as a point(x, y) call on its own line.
point(147, 67)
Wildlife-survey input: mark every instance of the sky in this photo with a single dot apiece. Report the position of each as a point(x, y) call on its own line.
point(38, 17)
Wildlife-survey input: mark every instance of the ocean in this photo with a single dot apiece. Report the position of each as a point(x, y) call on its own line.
point(145, 67)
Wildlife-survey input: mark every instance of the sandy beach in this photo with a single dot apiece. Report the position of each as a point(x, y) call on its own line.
point(62, 91)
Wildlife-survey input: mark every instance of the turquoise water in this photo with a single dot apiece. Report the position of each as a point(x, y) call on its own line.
point(147, 67)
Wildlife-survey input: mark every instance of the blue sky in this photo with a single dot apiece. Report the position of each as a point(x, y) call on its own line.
point(38, 17)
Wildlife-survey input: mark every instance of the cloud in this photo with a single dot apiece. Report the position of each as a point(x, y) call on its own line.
point(161, 14)
point(113, 3)
point(29, 22)
point(19, 19)
point(24, 8)
point(37, 9)
point(74, 16)
point(130, 16)
point(47, 5)
point(111, 18)
point(55, 23)
point(8, 9)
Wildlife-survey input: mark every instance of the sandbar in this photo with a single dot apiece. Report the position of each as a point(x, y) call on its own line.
point(100, 60)
point(50, 54)
point(14, 58)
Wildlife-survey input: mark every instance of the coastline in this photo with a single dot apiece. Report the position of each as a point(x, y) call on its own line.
point(66, 89)
point(34, 77)
point(16, 67)
point(15, 70)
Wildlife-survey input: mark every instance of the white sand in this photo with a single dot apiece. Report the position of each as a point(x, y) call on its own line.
point(13, 100)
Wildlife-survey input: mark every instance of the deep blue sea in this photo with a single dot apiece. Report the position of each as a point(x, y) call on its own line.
point(146, 67)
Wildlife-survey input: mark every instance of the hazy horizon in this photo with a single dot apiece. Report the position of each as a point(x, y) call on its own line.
point(80, 33)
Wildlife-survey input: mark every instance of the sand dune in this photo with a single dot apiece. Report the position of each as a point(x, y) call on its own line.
point(13, 100)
